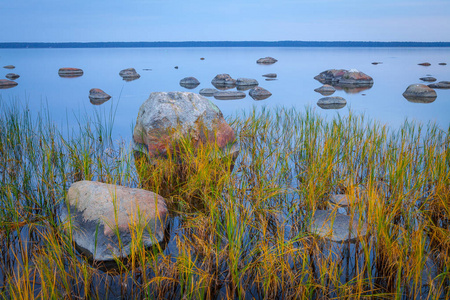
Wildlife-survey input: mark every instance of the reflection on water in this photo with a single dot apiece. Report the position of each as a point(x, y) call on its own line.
point(352, 89)
point(415, 99)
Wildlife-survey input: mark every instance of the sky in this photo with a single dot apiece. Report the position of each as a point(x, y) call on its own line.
point(226, 20)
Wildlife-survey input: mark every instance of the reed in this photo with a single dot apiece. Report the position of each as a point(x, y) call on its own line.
point(238, 228)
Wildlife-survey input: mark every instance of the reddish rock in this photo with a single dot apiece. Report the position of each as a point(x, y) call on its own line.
point(344, 77)
point(70, 72)
point(6, 84)
point(426, 64)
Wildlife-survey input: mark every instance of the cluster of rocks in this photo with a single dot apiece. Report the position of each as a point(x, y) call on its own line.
point(343, 77)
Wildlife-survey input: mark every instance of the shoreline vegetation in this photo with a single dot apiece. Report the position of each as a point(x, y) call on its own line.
point(238, 229)
point(220, 44)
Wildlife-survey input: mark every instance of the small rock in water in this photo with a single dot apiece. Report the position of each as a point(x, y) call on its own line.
point(271, 79)
point(426, 64)
point(202, 58)
point(70, 72)
point(9, 67)
point(208, 92)
point(336, 227)
point(6, 84)
point(223, 81)
point(270, 75)
point(129, 74)
point(442, 64)
point(12, 76)
point(146, 69)
point(332, 102)
point(345, 78)
point(246, 82)
point(189, 82)
point(440, 85)
point(229, 95)
point(266, 60)
point(259, 93)
point(100, 214)
point(428, 78)
point(376, 63)
point(420, 93)
point(98, 96)
point(176, 67)
point(326, 90)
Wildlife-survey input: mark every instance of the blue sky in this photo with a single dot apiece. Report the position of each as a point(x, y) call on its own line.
point(200, 20)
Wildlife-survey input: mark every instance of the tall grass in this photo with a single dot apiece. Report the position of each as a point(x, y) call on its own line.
point(238, 229)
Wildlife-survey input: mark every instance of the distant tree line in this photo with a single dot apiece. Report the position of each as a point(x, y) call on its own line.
point(222, 44)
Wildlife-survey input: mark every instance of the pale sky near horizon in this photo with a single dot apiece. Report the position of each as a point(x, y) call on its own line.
point(232, 20)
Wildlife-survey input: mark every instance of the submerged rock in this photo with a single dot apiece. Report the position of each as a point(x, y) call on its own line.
point(259, 93)
point(6, 84)
point(12, 76)
point(129, 74)
point(223, 81)
point(428, 78)
point(9, 67)
point(207, 92)
point(70, 72)
point(164, 118)
point(326, 90)
point(343, 77)
point(189, 82)
point(246, 82)
point(442, 64)
point(426, 64)
point(98, 96)
point(266, 60)
point(229, 95)
point(440, 85)
point(420, 93)
point(331, 102)
point(376, 63)
point(100, 214)
point(336, 227)
point(270, 75)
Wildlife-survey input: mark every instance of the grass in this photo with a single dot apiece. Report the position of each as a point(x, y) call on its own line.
point(238, 229)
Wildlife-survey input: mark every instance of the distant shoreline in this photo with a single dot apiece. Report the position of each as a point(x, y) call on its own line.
point(220, 44)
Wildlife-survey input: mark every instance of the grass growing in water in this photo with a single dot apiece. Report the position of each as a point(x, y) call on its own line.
point(240, 233)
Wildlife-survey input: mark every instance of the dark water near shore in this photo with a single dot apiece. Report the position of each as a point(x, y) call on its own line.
point(40, 84)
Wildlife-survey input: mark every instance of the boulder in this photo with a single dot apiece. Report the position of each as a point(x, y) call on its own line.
point(428, 79)
point(12, 76)
point(222, 81)
point(426, 64)
point(420, 93)
point(442, 64)
point(246, 82)
point(440, 85)
point(9, 67)
point(266, 60)
point(129, 74)
point(270, 75)
point(189, 82)
point(331, 102)
point(104, 217)
point(343, 77)
point(259, 93)
point(326, 90)
point(97, 96)
point(164, 118)
point(336, 227)
point(6, 84)
point(229, 95)
point(207, 92)
point(70, 72)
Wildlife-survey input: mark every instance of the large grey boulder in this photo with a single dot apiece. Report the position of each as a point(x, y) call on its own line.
point(336, 227)
point(98, 96)
point(420, 93)
point(164, 118)
point(326, 90)
point(70, 72)
point(189, 82)
point(223, 81)
point(259, 93)
point(331, 102)
point(229, 95)
point(343, 77)
point(6, 84)
point(266, 60)
point(440, 85)
point(103, 218)
point(129, 74)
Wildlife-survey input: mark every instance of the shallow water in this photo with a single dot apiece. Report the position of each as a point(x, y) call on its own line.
point(40, 84)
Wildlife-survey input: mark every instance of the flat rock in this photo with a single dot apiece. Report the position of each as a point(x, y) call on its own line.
point(442, 64)
point(266, 60)
point(189, 82)
point(336, 227)
point(428, 78)
point(98, 96)
point(70, 72)
point(331, 102)
point(259, 93)
point(223, 81)
point(341, 199)
point(270, 75)
point(9, 67)
point(12, 76)
point(229, 95)
point(326, 90)
point(164, 118)
point(246, 82)
point(207, 92)
point(440, 85)
point(6, 84)
point(343, 77)
point(420, 93)
point(129, 74)
point(100, 214)
point(426, 64)
point(376, 63)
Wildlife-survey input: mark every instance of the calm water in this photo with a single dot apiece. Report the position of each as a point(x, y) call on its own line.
point(40, 84)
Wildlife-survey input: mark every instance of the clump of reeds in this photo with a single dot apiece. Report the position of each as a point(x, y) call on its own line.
point(239, 229)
